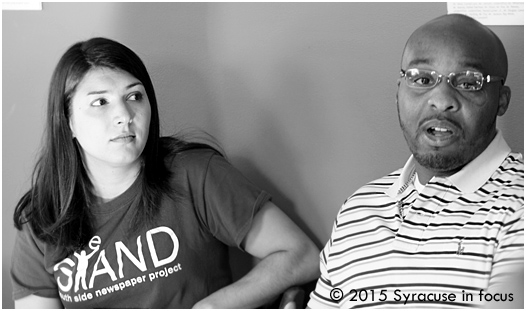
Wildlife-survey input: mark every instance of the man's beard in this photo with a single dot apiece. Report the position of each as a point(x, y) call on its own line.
point(439, 162)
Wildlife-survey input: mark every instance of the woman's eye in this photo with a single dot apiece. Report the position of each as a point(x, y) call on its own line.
point(135, 97)
point(99, 102)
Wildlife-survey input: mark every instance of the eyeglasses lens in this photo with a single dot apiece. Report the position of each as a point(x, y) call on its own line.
point(421, 78)
point(467, 81)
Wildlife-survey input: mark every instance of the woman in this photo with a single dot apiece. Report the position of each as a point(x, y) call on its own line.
point(119, 217)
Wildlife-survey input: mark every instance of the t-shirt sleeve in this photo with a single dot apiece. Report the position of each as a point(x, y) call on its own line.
point(229, 201)
point(29, 275)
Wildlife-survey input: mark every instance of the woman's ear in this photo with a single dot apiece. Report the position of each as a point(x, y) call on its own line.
point(71, 128)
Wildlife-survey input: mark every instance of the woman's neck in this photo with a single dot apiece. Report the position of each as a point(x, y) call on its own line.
point(110, 182)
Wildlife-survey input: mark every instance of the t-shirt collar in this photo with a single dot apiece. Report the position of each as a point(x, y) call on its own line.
point(472, 176)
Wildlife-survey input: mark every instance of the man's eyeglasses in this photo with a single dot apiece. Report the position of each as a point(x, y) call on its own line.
point(469, 81)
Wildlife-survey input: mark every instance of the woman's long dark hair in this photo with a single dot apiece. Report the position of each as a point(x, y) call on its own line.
point(57, 207)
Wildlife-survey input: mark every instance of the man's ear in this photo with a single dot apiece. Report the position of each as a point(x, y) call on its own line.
point(397, 90)
point(504, 100)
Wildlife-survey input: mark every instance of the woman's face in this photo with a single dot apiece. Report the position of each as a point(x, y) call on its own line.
point(110, 118)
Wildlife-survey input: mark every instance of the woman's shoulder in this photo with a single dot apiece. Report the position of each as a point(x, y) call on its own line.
point(189, 156)
point(197, 156)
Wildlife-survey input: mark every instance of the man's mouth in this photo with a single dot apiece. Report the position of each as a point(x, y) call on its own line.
point(439, 131)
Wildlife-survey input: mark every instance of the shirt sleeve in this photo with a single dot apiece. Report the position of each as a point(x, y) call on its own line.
point(320, 298)
point(31, 270)
point(507, 274)
point(229, 201)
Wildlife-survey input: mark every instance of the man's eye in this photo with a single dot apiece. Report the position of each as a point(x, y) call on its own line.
point(467, 86)
point(422, 81)
point(99, 102)
point(467, 83)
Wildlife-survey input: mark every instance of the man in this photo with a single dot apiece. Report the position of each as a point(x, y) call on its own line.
point(446, 230)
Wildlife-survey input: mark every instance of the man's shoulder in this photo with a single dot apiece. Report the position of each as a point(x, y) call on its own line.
point(507, 182)
point(376, 188)
point(382, 183)
point(510, 172)
point(385, 181)
point(514, 162)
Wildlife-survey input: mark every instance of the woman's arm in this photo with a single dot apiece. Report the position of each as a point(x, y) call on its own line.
point(288, 257)
point(36, 302)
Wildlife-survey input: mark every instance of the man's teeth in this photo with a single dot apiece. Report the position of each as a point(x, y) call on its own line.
point(439, 130)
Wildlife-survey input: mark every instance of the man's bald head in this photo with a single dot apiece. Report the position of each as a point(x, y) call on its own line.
point(464, 37)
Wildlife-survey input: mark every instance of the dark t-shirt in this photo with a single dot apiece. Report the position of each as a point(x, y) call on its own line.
point(174, 263)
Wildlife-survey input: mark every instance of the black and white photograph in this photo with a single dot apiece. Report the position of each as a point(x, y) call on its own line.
point(290, 155)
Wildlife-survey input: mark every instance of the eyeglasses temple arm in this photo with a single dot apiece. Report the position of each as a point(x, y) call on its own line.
point(490, 78)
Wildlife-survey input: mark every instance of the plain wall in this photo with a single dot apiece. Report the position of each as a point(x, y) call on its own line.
point(300, 95)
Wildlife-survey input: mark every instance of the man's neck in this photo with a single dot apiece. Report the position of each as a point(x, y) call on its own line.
point(425, 174)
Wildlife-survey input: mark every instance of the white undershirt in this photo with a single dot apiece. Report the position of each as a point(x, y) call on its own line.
point(418, 186)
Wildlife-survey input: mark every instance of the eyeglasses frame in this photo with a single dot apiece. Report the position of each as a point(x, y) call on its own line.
point(486, 79)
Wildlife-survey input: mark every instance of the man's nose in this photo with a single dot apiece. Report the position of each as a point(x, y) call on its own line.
point(444, 97)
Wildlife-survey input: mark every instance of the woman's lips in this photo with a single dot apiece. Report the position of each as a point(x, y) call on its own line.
point(123, 138)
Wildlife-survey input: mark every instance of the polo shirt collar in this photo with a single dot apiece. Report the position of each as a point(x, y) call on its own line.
point(471, 177)
point(403, 179)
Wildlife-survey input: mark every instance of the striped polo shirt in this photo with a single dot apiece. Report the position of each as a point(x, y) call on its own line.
point(392, 246)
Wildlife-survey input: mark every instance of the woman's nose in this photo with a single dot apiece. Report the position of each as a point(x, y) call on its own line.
point(122, 113)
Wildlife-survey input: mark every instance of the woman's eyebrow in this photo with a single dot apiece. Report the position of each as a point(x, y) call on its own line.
point(105, 91)
point(134, 84)
point(97, 92)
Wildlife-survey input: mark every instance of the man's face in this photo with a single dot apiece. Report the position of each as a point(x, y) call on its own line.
point(445, 128)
